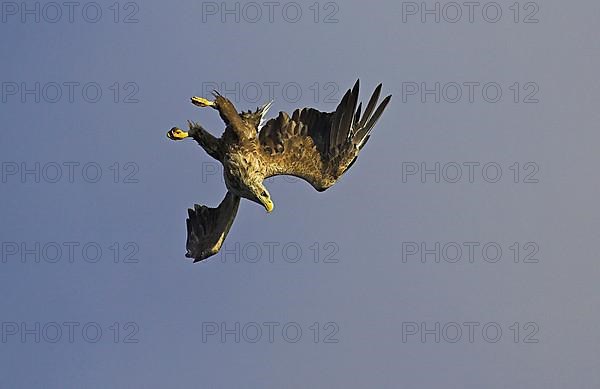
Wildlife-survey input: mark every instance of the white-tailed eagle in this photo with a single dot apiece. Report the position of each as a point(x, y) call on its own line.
point(313, 145)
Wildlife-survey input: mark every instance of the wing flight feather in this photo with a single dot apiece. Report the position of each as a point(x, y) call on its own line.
point(320, 146)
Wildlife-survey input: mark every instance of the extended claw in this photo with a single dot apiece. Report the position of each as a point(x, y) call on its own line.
point(202, 102)
point(177, 134)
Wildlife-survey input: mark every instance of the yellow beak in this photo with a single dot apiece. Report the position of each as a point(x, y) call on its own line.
point(269, 206)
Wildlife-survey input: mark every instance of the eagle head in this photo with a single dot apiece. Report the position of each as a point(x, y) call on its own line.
point(256, 191)
point(263, 197)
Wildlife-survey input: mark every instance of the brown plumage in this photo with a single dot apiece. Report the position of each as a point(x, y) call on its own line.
point(316, 146)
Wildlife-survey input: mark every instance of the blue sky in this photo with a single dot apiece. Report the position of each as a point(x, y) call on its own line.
point(460, 250)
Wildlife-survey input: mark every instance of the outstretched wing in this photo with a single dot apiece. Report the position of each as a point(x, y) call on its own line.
point(208, 227)
point(320, 146)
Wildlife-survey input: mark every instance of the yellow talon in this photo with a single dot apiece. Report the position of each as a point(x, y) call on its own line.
point(202, 102)
point(177, 134)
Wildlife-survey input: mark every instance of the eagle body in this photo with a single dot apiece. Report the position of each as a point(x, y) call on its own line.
point(316, 146)
point(243, 168)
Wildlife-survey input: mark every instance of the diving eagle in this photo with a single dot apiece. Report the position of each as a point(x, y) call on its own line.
point(315, 146)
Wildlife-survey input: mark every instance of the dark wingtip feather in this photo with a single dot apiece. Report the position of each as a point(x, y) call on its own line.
point(348, 116)
point(371, 105)
point(362, 136)
point(357, 115)
point(378, 113)
point(338, 119)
